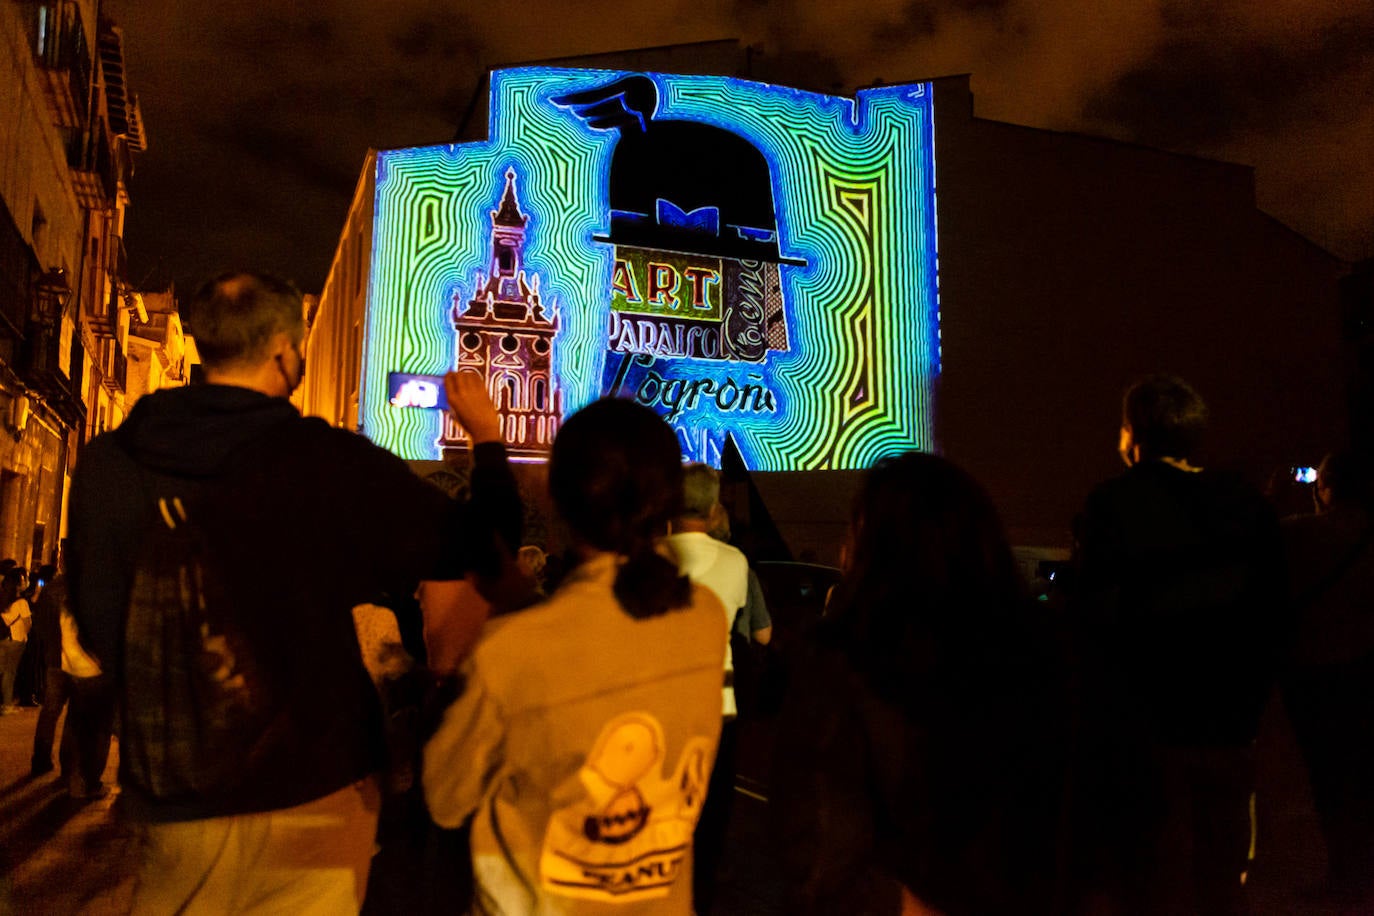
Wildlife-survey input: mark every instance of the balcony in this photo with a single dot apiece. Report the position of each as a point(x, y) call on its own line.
point(104, 322)
point(40, 366)
point(155, 330)
point(18, 268)
point(125, 118)
point(95, 174)
point(115, 368)
point(59, 47)
point(119, 262)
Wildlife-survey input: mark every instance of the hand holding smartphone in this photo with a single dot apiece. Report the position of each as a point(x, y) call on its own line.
point(409, 389)
point(463, 394)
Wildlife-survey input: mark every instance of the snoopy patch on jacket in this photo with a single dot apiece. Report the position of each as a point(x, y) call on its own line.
point(628, 838)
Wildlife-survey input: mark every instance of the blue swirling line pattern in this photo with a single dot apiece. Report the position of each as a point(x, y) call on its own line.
point(853, 185)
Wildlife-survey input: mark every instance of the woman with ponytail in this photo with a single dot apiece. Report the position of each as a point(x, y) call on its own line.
point(581, 746)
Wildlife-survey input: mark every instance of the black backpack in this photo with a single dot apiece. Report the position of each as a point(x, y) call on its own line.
point(196, 709)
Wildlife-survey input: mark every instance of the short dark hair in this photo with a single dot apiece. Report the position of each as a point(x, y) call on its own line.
point(1167, 417)
point(10, 584)
point(233, 316)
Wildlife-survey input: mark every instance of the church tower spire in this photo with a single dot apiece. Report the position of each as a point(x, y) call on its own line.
point(508, 214)
point(504, 332)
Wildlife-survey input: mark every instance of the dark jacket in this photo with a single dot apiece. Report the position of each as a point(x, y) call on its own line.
point(1331, 581)
point(951, 791)
point(47, 613)
point(304, 522)
point(1180, 609)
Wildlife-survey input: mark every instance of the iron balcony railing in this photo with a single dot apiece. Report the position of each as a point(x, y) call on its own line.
point(18, 269)
point(40, 366)
point(94, 170)
point(116, 367)
point(59, 45)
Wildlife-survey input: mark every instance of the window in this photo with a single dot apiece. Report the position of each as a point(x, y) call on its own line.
point(45, 25)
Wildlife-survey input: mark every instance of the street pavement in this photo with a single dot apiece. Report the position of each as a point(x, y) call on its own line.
point(61, 856)
point(57, 855)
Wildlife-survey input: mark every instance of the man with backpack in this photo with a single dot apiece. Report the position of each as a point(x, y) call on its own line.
point(219, 542)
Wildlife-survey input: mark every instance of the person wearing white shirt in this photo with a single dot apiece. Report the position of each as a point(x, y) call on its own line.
point(17, 617)
point(724, 570)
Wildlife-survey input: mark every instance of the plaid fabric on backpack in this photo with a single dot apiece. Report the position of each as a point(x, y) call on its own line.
point(195, 707)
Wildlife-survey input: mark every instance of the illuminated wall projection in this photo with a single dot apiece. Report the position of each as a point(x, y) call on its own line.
point(754, 262)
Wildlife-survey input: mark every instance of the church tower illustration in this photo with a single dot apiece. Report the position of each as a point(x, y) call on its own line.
point(504, 332)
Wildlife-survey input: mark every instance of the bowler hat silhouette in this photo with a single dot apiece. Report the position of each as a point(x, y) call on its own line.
point(680, 185)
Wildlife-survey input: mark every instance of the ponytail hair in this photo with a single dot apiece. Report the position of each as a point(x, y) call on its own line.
point(616, 477)
point(648, 585)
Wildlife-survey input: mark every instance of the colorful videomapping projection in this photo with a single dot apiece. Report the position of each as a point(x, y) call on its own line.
point(755, 263)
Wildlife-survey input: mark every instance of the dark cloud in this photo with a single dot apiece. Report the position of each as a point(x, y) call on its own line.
point(924, 18)
point(246, 212)
point(259, 114)
point(1207, 85)
point(295, 153)
point(803, 68)
point(919, 20)
point(276, 32)
point(443, 35)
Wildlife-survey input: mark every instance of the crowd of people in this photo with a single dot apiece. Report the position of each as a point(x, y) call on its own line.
point(42, 664)
point(567, 729)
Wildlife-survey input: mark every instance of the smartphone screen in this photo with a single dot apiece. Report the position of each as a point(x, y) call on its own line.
point(410, 389)
point(1305, 475)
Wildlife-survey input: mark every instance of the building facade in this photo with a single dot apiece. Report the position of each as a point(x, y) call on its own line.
point(334, 318)
point(71, 130)
point(1068, 266)
point(161, 353)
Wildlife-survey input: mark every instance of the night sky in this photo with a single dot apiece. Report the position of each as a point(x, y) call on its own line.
point(258, 114)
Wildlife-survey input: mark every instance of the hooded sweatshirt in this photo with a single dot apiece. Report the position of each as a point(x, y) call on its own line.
point(303, 522)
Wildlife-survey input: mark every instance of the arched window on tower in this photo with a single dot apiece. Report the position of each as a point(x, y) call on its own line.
point(505, 260)
point(508, 393)
point(539, 394)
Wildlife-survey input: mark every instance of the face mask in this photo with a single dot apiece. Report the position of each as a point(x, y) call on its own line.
point(291, 386)
point(300, 364)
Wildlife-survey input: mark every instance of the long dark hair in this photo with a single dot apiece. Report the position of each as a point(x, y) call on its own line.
point(930, 579)
point(931, 615)
point(616, 478)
